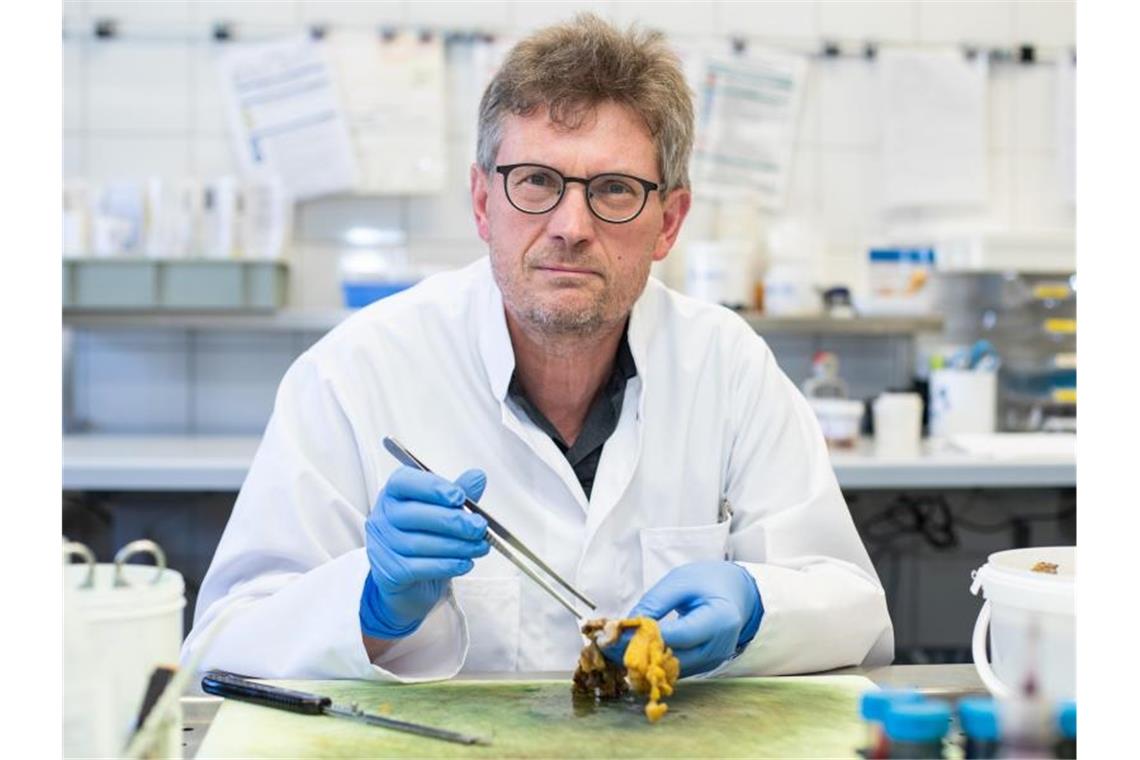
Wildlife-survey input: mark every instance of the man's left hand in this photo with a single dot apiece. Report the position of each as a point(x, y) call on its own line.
point(718, 607)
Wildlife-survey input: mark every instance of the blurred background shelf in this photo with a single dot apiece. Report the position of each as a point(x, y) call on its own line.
point(317, 319)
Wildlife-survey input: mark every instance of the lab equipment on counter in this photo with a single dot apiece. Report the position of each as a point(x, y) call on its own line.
point(1030, 615)
point(873, 706)
point(224, 684)
point(121, 622)
point(502, 540)
point(900, 279)
point(898, 423)
point(719, 271)
point(917, 730)
point(795, 248)
point(839, 418)
point(375, 266)
point(962, 401)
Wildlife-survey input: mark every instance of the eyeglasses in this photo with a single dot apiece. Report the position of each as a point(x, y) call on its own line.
point(537, 189)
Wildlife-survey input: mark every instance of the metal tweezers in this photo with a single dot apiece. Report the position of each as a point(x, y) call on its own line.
point(501, 539)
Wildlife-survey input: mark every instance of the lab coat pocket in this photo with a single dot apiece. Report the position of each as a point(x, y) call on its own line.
point(491, 606)
point(663, 549)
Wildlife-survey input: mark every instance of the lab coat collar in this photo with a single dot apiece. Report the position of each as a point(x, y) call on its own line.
point(495, 341)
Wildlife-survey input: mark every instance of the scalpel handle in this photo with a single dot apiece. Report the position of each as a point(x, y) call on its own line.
point(225, 684)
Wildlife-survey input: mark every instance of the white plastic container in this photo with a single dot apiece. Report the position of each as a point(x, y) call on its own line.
point(719, 271)
point(839, 418)
point(898, 424)
point(115, 634)
point(1021, 605)
point(962, 401)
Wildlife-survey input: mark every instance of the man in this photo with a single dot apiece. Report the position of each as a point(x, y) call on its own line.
point(644, 444)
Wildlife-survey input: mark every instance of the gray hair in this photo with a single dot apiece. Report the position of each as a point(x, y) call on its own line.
point(572, 67)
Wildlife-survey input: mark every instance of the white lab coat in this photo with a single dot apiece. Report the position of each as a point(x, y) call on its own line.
point(709, 415)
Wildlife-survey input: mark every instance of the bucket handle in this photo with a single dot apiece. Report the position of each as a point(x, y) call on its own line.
point(76, 549)
point(981, 661)
point(138, 547)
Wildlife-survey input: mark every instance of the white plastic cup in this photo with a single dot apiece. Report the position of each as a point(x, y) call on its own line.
point(898, 424)
point(1031, 620)
point(115, 636)
point(962, 401)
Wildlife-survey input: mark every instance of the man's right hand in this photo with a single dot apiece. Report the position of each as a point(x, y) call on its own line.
point(418, 538)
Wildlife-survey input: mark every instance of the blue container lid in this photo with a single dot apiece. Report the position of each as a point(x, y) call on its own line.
point(925, 721)
point(979, 718)
point(1067, 718)
point(873, 704)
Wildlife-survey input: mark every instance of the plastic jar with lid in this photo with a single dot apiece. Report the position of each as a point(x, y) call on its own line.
point(873, 706)
point(978, 717)
point(916, 730)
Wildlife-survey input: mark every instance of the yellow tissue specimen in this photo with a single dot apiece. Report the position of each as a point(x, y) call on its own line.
point(651, 667)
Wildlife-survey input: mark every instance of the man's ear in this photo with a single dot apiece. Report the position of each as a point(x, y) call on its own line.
point(479, 189)
point(676, 208)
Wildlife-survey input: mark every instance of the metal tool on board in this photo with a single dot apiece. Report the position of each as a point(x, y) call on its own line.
point(225, 684)
point(502, 540)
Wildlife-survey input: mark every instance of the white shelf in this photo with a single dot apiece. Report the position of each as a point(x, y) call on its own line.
point(219, 463)
point(323, 320)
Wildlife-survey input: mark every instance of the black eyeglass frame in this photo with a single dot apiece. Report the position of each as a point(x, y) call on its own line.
point(506, 169)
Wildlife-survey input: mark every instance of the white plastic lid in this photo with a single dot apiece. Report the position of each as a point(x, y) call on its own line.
point(147, 588)
point(840, 407)
point(1008, 579)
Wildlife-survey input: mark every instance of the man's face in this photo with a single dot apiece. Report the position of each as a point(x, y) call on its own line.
point(567, 272)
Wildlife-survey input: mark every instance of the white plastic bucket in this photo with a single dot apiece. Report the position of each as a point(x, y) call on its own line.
point(1020, 604)
point(120, 622)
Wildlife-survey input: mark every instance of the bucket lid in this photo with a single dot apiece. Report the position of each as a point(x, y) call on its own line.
point(926, 721)
point(979, 718)
point(873, 705)
point(1067, 718)
point(1040, 579)
point(145, 586)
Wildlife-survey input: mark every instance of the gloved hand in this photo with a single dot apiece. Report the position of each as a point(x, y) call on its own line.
point(418, 538)
point(718, 607)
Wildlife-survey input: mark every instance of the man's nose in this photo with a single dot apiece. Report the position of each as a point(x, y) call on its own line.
point(571, 221)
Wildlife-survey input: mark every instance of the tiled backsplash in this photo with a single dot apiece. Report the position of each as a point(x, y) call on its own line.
point(146, 103)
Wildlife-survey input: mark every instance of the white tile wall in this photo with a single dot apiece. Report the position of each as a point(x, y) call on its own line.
point(354, 12)
point(488, 15)
point(954, 21)
point(681, 20)
point(140, 87)
point(231, 373)
point(132, 381)
point(142, 16)
point(206, 103)
point(848, 96)
point(148, 104)
point(776, 20)
point(247, 14)
point(74, 92)
point(877, 20)
point(528, 15)
point(1045, 22)
point(136, 157)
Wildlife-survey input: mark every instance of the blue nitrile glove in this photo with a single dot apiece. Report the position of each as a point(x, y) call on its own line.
point(418, 538)
point(718, 607)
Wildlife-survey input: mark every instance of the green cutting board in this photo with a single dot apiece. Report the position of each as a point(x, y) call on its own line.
point(735, 717)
